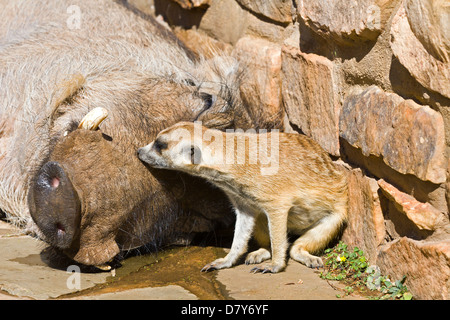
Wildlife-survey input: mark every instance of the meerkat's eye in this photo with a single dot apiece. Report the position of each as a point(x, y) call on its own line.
point(158, 145)
point(196, 155)
point(192, 155)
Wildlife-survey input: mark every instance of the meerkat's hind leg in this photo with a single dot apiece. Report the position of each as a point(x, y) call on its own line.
point(242, 232)
point(304, 257)
point(315, 239)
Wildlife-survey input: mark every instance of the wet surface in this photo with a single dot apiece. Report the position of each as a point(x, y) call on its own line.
point(175, 266)
point(31, 260)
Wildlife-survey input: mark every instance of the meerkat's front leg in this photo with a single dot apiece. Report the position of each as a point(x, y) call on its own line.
point(242, 233)
point(262, 238)
point(278, 242)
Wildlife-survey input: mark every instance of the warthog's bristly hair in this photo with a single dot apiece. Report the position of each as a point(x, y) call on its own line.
point(114, 50)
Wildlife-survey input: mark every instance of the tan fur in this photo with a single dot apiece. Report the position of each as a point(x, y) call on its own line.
point(306, 195)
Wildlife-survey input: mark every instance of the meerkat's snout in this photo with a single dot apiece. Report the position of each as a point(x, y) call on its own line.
point(182, 153)
point(151, 154)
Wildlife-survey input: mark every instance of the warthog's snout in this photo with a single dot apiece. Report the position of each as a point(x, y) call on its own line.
point(54, 205)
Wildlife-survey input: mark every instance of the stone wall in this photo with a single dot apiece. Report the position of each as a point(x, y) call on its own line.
point(370, 81)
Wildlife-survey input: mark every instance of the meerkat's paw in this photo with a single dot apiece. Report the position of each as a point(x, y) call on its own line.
point(272, 268)
point(315, 262)
point(257, 256)
point(307, 259)
point(220, 263)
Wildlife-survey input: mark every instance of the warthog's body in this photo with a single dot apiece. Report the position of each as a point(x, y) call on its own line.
point(87, 191)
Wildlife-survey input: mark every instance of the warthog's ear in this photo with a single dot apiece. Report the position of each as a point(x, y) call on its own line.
point(92, 120)
point(63, 92)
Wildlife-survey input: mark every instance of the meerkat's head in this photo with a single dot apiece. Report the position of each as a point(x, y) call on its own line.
point(174, 148)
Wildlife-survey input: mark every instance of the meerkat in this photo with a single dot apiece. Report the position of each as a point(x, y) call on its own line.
point(298, 190)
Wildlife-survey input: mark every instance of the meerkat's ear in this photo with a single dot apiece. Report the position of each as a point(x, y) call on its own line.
point(196, 154)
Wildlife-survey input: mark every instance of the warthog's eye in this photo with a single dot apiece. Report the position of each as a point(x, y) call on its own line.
point(158, 145)
point(190, 82)
point(208, 99)
point(73, 125)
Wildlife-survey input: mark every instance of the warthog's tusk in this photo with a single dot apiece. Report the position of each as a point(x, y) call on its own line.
point(92, 120)
point(103, 267)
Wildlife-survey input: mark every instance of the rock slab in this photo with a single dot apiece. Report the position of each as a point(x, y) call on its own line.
point(410, 138)
point(365, 226)
point(432, 73)
point(261, 84)
point(423, 215)
point(430, 22)
point(310, 95)
point(345, 22)
point(426, 266)
point(277, 10)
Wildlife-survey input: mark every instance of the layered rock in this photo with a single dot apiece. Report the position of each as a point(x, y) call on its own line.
point(423, 215)
point(345, 22)
point(431, 72)
point(410, 138)
point(425, 265)
point(310, 96)
point(261, 85)
point(276, 10)
point(365, 228)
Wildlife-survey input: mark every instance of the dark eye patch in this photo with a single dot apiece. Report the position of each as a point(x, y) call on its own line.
point(158, 145)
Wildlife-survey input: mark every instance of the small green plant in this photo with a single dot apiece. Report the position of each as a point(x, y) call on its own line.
point(352, 267)
point(344, 264)
point(396, 290)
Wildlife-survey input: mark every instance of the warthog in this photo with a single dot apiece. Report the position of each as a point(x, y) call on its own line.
point(86, 190)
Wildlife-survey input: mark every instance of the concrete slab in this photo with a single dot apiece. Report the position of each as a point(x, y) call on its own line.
point(24, 274)
point(297, 282)
point(170, 292)
point(8, 230)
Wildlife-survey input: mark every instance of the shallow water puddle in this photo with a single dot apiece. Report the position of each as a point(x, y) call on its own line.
point(31, 260)
point(176, 266)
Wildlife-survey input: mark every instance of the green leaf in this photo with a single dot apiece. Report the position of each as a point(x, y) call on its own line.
point(407, 296)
